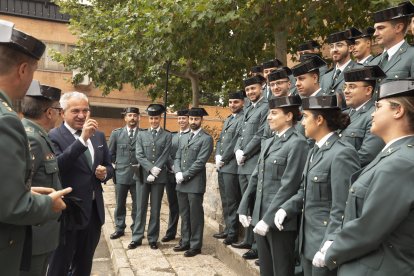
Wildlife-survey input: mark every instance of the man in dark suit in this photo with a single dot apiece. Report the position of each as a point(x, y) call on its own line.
point(122, 150)
point(84, 163)
point(226, 166)
point(190, 166)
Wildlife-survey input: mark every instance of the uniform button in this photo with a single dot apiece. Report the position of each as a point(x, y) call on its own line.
point(225, 131)
point(153, 149)
point(334, 261)
point(11, 242)
point(352, 190)
point(243, 129)
point(153, 162)
point(184, 161)
point(352, 134)
point(340, 135)
point(241, 138)
point(342, 217)
point(315, 178)
point(274, 161)
point(325, 222)
point(396, 76)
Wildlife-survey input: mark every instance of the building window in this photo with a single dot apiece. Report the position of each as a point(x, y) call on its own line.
point(47, 63)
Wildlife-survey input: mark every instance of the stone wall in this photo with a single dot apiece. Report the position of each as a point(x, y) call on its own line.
point(212, 202)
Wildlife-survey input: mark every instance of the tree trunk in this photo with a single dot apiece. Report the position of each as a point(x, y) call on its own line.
point(281, 45)
point(195, 88)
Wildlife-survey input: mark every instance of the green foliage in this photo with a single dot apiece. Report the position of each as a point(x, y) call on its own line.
point(211, 44)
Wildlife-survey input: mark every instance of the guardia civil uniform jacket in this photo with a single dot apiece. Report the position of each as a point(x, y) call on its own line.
point(331, 85)
point(122, 150)
point(18, 206)
point(250, 134)
point(323, 193)
point(191, 159)
point(227, 141)
point(276, 178)
point(45, 237)
point(376, 237)
point(358, 134)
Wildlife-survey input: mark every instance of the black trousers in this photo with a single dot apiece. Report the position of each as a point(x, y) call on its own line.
point(75, 252)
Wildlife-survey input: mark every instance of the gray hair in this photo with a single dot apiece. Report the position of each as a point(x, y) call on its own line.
point(71, 95)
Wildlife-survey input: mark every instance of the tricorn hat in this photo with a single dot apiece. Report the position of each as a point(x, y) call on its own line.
point(182, 112)
point(396, 88)
point(308, 45)
point(241, 94)
point(286, 101)
point(365, 73)
point(272, 63)
point(313, 63)
point(258, 79)
point(44, 91)
point(340, 36)
point(403, 9)
point(20, 41)
point(256, 69)
point(155, 109)
point(278, 74)
point(321, 102)
point(197, 112)
point(130, 110)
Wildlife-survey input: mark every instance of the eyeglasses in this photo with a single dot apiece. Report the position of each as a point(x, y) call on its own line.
point(392, 105)
point(278, 83)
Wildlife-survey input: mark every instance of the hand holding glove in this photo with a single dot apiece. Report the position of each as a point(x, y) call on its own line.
point(319, 259)
point(240, 158)
point(261, 228)
point(280, 218)
point(155, 171)
point(150, 178)
point(179, 177)
point(244, 220)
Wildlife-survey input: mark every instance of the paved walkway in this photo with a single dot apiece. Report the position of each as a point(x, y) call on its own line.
point(164, 261)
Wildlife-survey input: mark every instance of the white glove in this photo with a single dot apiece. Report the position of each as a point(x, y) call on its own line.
point(155, 171)
point(279, 218)
point(150, 178)
point(244, 220)
point(319, 259)
point(240, 158)
point(325, 246)
point(219, 163)
point(179, 177)
point(261, 228)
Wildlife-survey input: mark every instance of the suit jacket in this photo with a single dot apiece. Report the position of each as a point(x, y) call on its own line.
point(45, 237)
point(401, 64)
point(323, 192)
point(337, 87)
point(18, 207)
point(122, 151)
point(153, 152)
point(359, 135)
point(250, 135)
point(276, 177)
point(377, 234)
point(77, 173)
point(175, 141)
point(191, 159)
point(227, 141)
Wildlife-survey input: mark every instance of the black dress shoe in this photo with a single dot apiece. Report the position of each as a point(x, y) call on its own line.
point(153, 245)
point(192, 252)
point(134, 244)
point(241, 245)
point(257, 262)
point(230, 240)
point(220, 235)
point(167, 239)
point(179, 247)
point(251, 255)
point(116, 235)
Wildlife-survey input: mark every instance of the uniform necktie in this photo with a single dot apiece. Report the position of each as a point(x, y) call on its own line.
point(384, 60)
point(131, 133)
point(314, 152)
point(87, 153)
point(154, 133)
point(335, 78)
point(191, 136)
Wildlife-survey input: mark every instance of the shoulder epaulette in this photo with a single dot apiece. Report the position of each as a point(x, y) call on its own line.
point(120, 128)
point(6, 105)
point(142, 129)
point(29, 129)
point(167, 130)
point(329, 70)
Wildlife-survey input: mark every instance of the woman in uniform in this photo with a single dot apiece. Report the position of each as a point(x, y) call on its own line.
point(275, 179)
point(324, 187)
point(377, 237)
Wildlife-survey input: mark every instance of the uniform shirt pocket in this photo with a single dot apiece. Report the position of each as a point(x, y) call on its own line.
point(278, 167)
point(321, 188)
point(122, 149)
point(51, 166)
point(358, 196)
